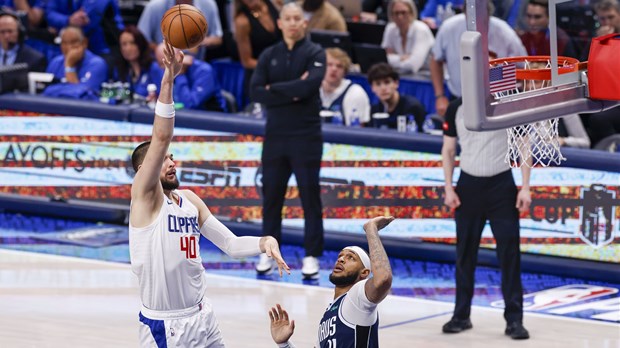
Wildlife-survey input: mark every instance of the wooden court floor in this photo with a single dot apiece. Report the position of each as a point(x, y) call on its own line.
point(54, 301)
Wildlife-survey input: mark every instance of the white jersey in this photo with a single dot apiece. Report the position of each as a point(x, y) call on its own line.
point(165, 255)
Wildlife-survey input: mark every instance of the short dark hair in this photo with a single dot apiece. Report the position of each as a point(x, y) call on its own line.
point(137, 157)
point(606, 5)
point(312, 5)
point(542, 3)
point(381, 71)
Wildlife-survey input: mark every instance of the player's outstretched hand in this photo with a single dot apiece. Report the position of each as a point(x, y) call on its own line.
point(378, 222)
point(281, 328)
point(269, 246)
point(173, 60)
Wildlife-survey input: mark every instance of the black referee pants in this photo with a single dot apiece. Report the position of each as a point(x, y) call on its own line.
point(301, 156)
point(493, 199)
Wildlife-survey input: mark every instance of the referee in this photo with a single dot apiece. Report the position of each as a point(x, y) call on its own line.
point(485, 191)
point(286, 81)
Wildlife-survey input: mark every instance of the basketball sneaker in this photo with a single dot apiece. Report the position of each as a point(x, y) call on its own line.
point(265, 265)
point(310, 267)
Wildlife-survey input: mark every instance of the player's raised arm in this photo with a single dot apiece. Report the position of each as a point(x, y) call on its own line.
point(146, 191)
point(378, 287)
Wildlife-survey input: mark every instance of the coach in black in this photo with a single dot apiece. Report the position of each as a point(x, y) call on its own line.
point(485, 191)
point(286, 81)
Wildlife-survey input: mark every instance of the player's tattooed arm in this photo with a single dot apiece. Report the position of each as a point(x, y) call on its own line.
point(378, 287)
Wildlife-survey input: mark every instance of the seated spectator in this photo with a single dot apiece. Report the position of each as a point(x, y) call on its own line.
point(323, 16)
point(32, 15)
point(608, 14)
point(536, 38)
point(407, 40)
point(572, 133)
point(374, 10)
point(436, 11)
point(384, 81)
point(137, 64)
point(195, 87)
point(603, 124)
point(341, 95)
point(100, 21)
point(150, 23)
point(79, 71)
point(256, 28)
point(12, 47)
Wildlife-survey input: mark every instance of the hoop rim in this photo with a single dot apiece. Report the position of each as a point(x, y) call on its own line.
point(542, 74)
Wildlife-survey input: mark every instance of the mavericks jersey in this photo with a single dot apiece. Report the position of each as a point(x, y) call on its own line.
point(165, 255)
point(351, 321)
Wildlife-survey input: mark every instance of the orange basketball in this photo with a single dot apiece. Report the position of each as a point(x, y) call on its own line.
point(184, 26)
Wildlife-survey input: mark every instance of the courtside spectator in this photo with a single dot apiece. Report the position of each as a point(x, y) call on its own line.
point(79, 71)
point(100, 21)
point(536, 38)
point(13, 50)
point(323, 16)
point(407, 40)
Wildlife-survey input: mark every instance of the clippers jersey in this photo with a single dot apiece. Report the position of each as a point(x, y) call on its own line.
point(351, 321)
point(165, 255)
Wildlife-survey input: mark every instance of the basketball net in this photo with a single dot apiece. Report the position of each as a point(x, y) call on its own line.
point(532, 144)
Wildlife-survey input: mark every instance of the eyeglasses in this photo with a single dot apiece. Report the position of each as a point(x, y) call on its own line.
point(534, 16)
point(400, 13)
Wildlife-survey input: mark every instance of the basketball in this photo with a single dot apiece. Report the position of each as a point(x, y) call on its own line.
point(184, 26)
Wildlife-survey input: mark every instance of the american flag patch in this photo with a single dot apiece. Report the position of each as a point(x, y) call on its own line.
point(502, 78)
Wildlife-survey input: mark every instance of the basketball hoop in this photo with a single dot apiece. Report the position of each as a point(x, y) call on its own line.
point(537, 143)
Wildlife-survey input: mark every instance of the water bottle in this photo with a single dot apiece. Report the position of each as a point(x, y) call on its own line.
point(126, 93)
point(439, 15)
point(151, 98)
point(104, 95)
point(257, 111)
point(428, 125)
point(337, 119)
point(412, 127)
point(355, 118)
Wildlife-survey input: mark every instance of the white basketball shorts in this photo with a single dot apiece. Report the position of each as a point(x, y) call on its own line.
point(191, 327)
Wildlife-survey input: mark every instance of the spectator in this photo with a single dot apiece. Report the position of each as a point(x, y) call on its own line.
point(375, 10)
point(79, 71)
point(12, 47)
point(287, 81)
point(150, 22)
point(100, 21)
point(608, 14)
point(407, 40)
point(536, 38)
point(572, 133)
point(436, 11)
point(341, 95)
point(384, 81)
point(32, 15)
point(195, 86)
point(603, 124)
point(502, 40)
point(324, 16)
point(255, 30)
point(137, 65)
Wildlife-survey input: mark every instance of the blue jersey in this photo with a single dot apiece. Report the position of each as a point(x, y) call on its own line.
point(351, 321)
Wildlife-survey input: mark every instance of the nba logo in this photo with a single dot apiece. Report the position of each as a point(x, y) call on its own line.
point(597, 216)
point(560, 296)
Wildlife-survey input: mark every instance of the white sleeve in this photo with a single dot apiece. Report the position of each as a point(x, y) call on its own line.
point(357, 308)
point(423, 42)
point(223, 238)
point(356, 98)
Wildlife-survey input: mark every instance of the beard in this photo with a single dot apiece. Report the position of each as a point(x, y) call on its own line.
point(170, 185)
point(343, 280)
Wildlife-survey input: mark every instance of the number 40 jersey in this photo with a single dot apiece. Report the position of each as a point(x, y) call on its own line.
point(165, 255)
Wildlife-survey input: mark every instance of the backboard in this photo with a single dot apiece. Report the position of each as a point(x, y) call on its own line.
point(566, 94)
